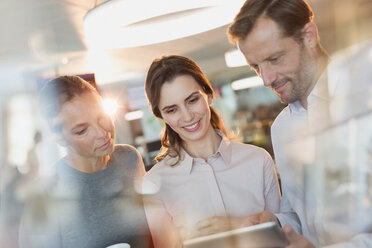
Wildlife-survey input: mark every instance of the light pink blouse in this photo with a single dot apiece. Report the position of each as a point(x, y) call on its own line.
point(237, 181)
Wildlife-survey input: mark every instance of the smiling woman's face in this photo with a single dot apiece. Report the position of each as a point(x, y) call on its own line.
point(86, 130)
point(184, 106)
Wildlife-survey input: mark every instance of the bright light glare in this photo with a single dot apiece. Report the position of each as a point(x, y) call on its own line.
point(20, 124)
point(110, 106)
point(247, 83)
point(235, 58)
point(125, 23)
point(134, 115)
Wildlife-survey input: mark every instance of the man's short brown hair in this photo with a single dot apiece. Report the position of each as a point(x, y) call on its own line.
point(290, 15)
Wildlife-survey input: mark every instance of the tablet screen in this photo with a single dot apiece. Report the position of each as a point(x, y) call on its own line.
point(263, 235)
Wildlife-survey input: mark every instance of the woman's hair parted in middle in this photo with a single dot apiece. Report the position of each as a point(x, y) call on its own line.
point(57, 92)
point(166, 69)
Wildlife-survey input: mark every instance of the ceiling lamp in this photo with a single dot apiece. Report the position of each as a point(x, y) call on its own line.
point(245, 83)
point(235, 58)
point(131, 23)
point(134, 115)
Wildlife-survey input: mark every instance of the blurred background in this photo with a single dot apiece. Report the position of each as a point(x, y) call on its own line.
point(111, 44)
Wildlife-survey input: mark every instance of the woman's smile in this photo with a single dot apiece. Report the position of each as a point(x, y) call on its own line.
point(193, 127)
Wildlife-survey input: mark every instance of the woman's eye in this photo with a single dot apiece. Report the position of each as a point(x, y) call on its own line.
point(170, 111)
point(194, 100)
point(80, 132)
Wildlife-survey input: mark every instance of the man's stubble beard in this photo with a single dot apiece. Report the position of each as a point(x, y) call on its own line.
point(302, 80)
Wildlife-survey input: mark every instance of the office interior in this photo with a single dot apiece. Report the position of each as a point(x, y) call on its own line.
point(43, 39)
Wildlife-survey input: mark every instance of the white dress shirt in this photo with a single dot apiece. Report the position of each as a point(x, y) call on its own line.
point(237, 181)
point(322, 155)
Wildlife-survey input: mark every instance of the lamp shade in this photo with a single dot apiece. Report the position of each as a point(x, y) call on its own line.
point(131, 23)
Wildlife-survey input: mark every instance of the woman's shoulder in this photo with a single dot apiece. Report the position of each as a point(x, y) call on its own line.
point(122, 149)
point(248, 148)
point(125, 153)
point(248, 154)
point(151, 181)
point(163, 167)
point(159, 168)
point(160, 175)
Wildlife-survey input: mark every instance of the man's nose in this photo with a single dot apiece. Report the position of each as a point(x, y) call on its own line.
point(268, 75)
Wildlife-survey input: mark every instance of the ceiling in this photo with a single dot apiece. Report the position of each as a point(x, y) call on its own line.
point(46, 37)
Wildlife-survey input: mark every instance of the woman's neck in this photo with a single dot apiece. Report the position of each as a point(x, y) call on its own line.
point(205, 147)
point(87, 165)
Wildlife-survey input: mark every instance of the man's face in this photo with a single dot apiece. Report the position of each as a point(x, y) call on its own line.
point(285, 65)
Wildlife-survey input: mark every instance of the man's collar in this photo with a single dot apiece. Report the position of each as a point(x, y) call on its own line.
point(296, 107)
point(320, 91)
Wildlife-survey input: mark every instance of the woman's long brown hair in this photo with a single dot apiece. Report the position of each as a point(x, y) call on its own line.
point(166, 69)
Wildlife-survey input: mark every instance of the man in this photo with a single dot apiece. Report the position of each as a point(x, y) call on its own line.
point(281, 44)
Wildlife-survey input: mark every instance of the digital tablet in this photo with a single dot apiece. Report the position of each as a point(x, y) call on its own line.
point(263, 235)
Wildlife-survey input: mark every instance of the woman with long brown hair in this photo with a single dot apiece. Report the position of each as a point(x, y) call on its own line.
point(203, 182)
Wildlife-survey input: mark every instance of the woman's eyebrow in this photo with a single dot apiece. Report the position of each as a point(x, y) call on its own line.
point(168, 107)
point(186, 99)
point(80, 125)
point(191, 95)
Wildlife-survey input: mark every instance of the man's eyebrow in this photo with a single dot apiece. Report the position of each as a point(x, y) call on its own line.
point(276, 54)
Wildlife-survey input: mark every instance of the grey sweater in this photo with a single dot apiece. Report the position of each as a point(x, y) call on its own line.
point(92, 210)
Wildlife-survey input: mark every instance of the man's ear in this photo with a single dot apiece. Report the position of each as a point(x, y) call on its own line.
point(310, 35)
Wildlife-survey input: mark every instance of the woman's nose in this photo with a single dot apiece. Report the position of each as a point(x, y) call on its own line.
point(187, 115)
point(101, 131)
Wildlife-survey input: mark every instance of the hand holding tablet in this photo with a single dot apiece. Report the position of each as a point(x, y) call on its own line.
point(263, 235)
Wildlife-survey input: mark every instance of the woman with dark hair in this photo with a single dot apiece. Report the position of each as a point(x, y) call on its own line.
point(93, 201)
point(203, 182)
